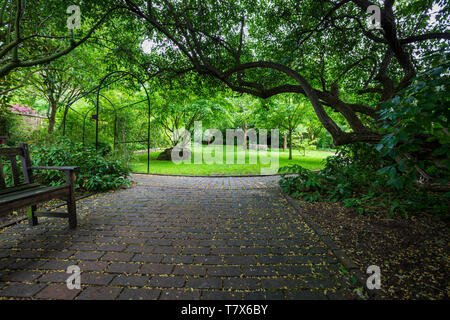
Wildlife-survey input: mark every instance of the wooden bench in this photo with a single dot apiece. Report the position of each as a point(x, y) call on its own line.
point(27, 193)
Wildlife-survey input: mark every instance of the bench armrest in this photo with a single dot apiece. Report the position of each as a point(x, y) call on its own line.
point(69, 171)
point(55, 168)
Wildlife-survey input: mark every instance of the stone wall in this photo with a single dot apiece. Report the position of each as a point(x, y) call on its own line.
point(32, 121)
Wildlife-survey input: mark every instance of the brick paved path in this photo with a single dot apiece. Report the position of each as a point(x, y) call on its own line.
point(174, 238)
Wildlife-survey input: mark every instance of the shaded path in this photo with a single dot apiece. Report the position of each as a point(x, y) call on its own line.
point(175, 238)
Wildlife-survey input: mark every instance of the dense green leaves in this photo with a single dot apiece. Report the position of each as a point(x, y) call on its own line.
point(96, 172)
point(415, 122)
point(354, 177)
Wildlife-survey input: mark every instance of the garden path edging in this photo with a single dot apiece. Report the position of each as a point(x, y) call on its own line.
point(337, 251)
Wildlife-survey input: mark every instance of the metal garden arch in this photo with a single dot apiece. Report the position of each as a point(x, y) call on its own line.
point(124, 73)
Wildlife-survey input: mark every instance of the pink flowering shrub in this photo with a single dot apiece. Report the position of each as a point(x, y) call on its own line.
point(20, 108)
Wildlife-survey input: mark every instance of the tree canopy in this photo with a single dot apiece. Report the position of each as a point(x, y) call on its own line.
point(322, 50)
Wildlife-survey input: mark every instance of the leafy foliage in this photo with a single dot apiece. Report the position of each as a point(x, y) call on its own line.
point(353, 176)
point(423, 107)
point(96, 173)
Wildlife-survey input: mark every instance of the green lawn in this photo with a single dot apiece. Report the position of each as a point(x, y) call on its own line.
point(312, 160)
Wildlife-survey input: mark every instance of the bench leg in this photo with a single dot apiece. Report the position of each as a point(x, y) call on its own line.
point(72, 211)
point(71, 205)
point(32, 219)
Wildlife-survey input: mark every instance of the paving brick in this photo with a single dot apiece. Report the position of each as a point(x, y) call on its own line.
point(273, 260)
point(83, 247)
point(5, 263)
point(241, 283)
point(54, 276)
point(4, 253)
point(21, 290)
point(156, 269)
point(92, 265)
point(148, 258)
point(167, 250)
point(305, 295)
point(117, 256)
point(99, 293)
point(255, 250)
point(167, 282)
point(227, 250)
point(178, 259)
point(204, 283)
point(87, 255)
point(112, 247)
point(58, 254)
point(21, 276)
point(139, 294)
point(240, 260)
point(180, 295)
point(57, 265)
point(123, 268)
point(208, 260)
point(189, 270)
point(264, 271)
point(221, 295)
point(280, 283)
point(313, 283)
point(26, 264)
point(130, 281)
point(26, 254)
point(264, 295)
point(131, 240)
point(58, 292)
point(159, 242)
point(197, 251)
point(139, 249)
point(224, 271)
point(96, 278)
point(293, 270)
point(107, 240)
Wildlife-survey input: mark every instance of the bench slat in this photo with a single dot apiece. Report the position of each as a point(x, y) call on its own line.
point(2, 176)
point(19, 188)
point(26, 164)
point(11, 197)
point(10, 152)
point(9, 202)
point(15, 170)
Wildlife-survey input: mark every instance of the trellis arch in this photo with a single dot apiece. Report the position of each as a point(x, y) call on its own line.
point(97, 106)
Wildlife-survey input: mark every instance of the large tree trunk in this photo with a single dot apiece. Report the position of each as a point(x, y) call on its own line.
point(63, 122)
point(52, 116)
point(244, 128)
point(209, 136)
point(290, 144)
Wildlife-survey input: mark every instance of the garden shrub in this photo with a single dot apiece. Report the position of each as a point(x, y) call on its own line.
point(353, 176)
point(103, 149)
point(384, 177)
point(422, 107)
point(96, 172)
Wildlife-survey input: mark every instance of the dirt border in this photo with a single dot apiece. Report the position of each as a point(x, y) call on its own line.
point(338, 252)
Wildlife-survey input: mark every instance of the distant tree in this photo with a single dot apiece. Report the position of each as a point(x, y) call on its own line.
point(320, 49)
point(286, 114)
point(64, 80)
point(36, 33)
point(175, 112)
